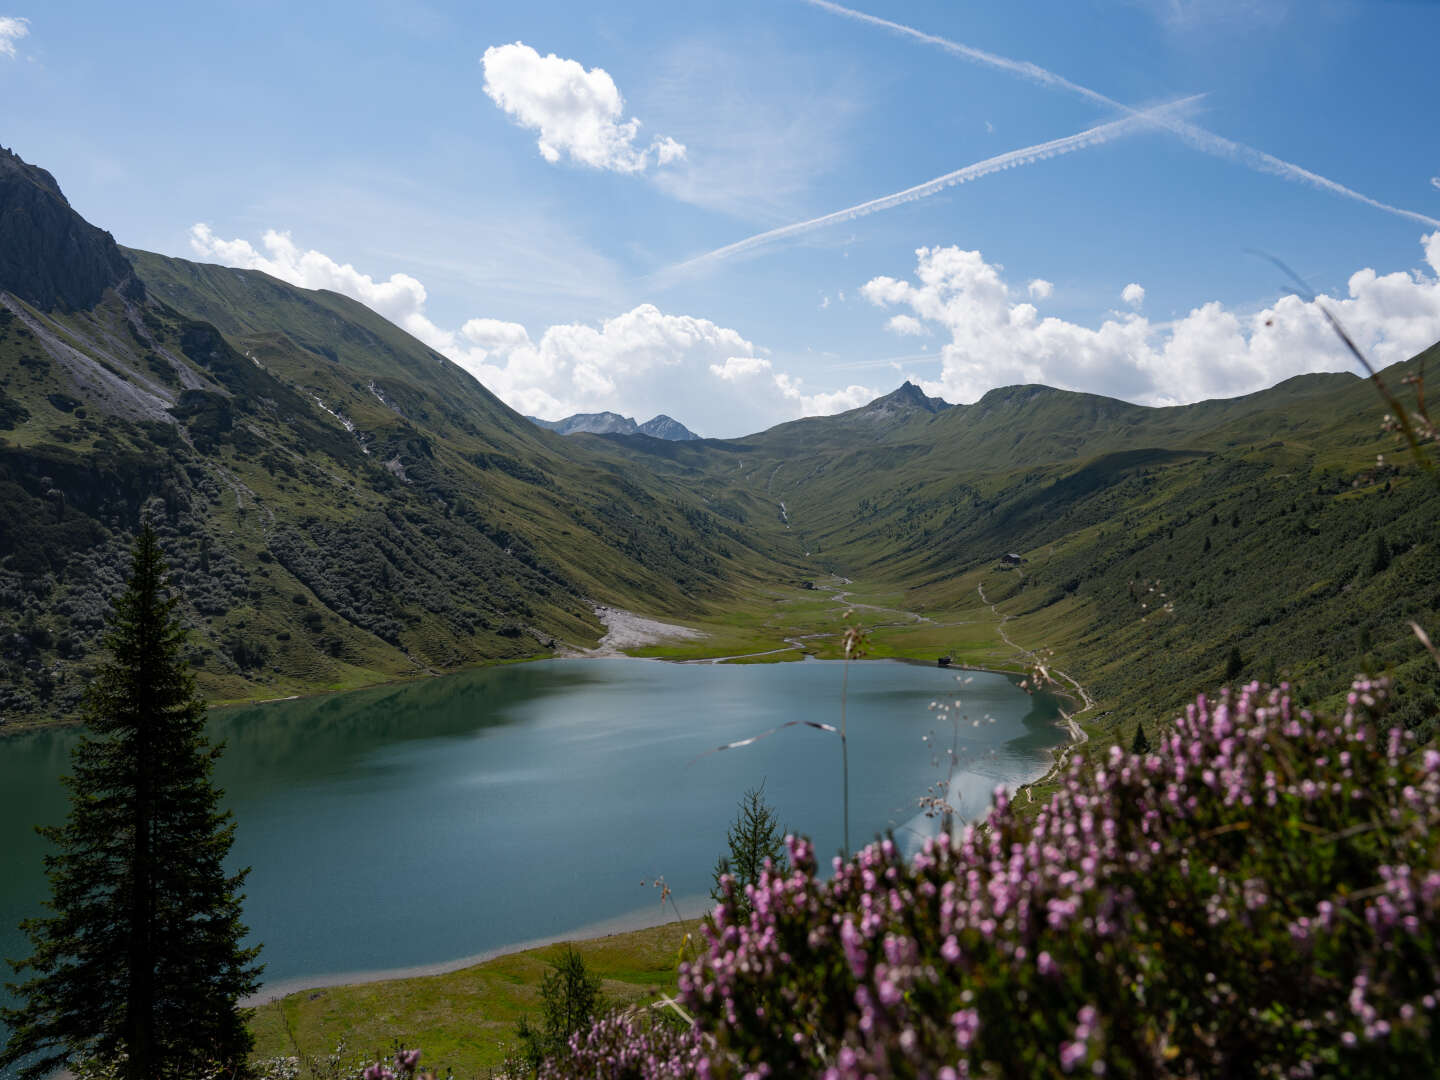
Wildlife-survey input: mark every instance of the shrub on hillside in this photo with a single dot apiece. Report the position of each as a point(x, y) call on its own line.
point(1258, 895)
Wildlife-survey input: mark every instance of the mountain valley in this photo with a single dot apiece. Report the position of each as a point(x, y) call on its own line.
point(343, 505)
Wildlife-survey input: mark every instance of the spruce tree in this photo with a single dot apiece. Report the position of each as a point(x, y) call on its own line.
point(754, 836)
point(1141, 743)
point(139, 960)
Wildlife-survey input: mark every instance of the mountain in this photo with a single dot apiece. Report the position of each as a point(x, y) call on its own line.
point(904, 399)
point(49, 255)
point(1155, 540)
point(340, 503)
point(609, 423)
point(665, 427)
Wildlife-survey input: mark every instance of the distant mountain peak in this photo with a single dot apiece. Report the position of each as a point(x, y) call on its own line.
point(906, 396)
point(609, 423)
point(49, 255)
point(667, 427)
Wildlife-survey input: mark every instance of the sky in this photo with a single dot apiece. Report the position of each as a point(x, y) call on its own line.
point(744, 213)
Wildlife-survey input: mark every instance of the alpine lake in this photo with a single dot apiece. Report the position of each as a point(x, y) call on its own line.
point(430, 822)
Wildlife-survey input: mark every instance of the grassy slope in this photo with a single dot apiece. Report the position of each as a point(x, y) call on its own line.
point(464, 1019)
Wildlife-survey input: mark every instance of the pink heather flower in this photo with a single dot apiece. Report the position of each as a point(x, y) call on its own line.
point(966, 1023)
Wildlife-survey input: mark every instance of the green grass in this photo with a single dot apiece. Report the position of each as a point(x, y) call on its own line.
point(463, 1019)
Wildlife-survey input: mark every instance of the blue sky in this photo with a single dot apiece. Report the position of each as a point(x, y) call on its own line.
point(474, 172)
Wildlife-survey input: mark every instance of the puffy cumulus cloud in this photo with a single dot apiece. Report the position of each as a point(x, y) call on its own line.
point(640, 363)
point(646, 361)
point(1040, 289)
point(495, 334)
point(736, 368)
point(576, 112)
point(823, 403)
point(12, 29)
point(1133, 294)
point(759, 377)
point(1211, 352)
point(907, 326)
point(400, 298)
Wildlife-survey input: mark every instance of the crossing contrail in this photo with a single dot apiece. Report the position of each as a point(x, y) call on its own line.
point(1199, 138)
point(1011, 159)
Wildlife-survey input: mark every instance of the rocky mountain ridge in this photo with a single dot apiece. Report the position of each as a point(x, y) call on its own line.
point(611, 423)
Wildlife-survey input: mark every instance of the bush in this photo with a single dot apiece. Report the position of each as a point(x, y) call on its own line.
point(1257, 896)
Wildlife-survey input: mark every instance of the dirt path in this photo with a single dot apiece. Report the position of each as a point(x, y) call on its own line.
point(1078, 737)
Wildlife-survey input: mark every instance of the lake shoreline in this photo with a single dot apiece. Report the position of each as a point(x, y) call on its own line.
point(646, 918)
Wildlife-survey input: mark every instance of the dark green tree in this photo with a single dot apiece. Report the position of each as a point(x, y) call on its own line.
point(139, 959)
point(1380, 556)
point(570, 1000)
point(1234, 663)
point(1141, 743)
point(754, 836)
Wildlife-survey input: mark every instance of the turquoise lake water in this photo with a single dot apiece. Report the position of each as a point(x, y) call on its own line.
point(421, 823)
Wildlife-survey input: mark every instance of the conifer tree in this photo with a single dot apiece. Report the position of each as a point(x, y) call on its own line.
point(1141, 743)
point(754, 836)
point(139, 960)
point(570, 1001)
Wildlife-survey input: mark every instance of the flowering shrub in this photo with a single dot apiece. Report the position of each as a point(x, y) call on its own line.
point(629, 1045)
point(1256, 896)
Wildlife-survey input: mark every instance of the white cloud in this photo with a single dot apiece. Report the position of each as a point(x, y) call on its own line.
point(1435, 182)
point(575, 111)
point(736, 368)
point(645, 362)
point(493, 334)
point(1133, 294)
point(12, 29)
point(1041, 289)
point(641, 362)
point(1211, 352)
point(907, 326)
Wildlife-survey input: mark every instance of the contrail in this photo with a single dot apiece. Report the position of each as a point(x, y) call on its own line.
point(1026, 70)
point(1094, 136)
point(1205, 141)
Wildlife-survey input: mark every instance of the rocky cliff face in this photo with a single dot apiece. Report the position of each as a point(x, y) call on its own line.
point(49, 255)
